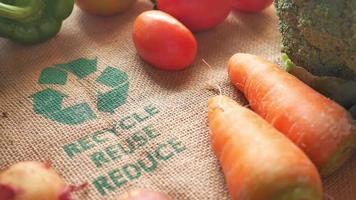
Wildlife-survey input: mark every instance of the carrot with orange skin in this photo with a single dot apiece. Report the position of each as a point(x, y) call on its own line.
point(258, 161)
point(319, 126)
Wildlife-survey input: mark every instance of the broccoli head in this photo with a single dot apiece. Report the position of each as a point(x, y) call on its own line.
point(320, 35)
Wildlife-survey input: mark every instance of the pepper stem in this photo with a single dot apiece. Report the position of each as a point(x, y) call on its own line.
point(154, 4)
point(19, 13)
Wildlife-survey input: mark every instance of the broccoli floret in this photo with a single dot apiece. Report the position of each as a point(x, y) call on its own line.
point(320, 35)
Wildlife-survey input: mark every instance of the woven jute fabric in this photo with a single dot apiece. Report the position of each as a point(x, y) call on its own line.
point(156, 135)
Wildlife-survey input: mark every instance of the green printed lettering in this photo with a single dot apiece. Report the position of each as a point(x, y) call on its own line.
point(159, 154)
point(85, 143)
point(151, 131)
point(112, 152)
point(99, 159)
point(71, 149)
point(152, 166)
point(140, 118)
point(131, 171)
point(139, 139)
point(98, 139)
point(101, 184)
point(129, 148)
point(126, 124)
point(117, 177)
point(178, 146)
point(151, 109)
point(113, 131)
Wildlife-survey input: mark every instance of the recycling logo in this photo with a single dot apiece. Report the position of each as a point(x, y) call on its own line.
point(49, 102)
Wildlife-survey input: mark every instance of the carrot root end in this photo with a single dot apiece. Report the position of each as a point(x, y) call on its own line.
point(340, 156)
point(297, 192)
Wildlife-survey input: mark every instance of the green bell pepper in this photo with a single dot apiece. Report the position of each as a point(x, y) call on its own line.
point(32, 21)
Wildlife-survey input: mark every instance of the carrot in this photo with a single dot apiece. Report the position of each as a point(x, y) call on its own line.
point(318, 125)
point(258, 161)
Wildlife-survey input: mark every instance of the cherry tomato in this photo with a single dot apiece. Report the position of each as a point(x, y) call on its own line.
point(251, 5)
point(104, 7)
point(197, 15)
point(163, 41)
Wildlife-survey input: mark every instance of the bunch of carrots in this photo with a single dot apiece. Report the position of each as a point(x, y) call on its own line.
point(279, 151)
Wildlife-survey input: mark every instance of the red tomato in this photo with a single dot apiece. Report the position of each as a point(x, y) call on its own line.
point(251, 5)
point(163, 41)
point(104, 7)
point(197, 15)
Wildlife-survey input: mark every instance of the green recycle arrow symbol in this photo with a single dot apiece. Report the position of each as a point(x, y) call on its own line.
point(118, 80)
point(48, 102)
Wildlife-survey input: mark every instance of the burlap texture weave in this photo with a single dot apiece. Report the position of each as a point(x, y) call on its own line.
point(161, 122)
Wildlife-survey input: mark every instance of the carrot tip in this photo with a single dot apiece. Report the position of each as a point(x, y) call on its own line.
point(340, 156)
point(214, 87)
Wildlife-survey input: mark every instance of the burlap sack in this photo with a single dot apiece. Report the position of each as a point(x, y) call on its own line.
point(87, 102)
